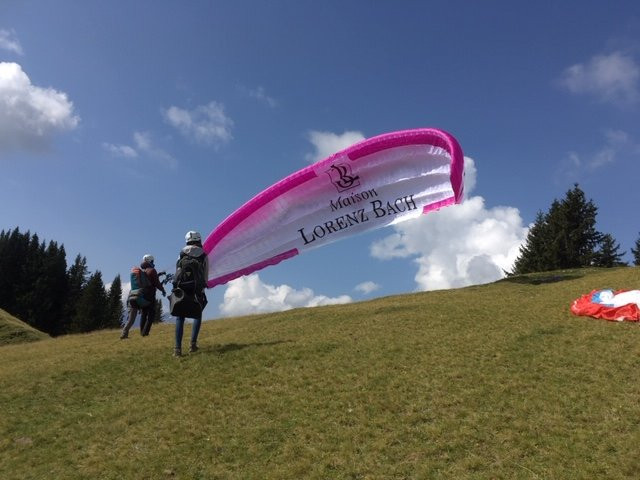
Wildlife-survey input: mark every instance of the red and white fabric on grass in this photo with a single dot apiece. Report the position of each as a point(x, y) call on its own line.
point(618, 306)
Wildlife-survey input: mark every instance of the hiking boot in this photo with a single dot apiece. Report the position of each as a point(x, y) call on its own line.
point(177, 352)
point(193, 348)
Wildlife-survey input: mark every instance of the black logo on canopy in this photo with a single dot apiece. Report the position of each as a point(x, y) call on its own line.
point(342, 178)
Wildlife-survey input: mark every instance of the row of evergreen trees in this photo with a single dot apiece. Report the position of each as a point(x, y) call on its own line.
point(37, 287)
point(566, 237)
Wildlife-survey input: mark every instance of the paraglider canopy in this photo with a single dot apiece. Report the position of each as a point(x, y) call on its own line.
point(380, 181)
point(618, 306)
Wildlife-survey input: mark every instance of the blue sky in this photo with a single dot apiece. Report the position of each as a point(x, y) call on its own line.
point(124, 124)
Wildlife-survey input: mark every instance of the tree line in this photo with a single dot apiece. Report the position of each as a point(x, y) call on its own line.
point(566, 237)
point(37, 287)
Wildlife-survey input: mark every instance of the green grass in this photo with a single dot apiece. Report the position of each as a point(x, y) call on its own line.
point(13, 330)
point(488, 382)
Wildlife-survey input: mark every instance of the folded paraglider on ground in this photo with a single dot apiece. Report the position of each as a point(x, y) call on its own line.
point(618, 305)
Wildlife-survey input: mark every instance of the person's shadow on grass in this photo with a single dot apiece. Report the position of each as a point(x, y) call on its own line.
point(218, 349)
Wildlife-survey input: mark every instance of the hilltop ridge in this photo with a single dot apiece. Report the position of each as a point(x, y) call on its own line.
point(489, 381)
point(13, 330)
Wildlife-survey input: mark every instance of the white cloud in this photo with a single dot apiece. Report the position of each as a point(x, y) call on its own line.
point(460, 245)
point(611, 78)
point(616, 140)
point(616, 143)
point(328, 143)
point(9, 42)
point(29, 115)
point(143, 145)
point(367, 287)
point(261, 95)
point(126, 288)
point(206, 124)
point(249, 294)
point(125, 151)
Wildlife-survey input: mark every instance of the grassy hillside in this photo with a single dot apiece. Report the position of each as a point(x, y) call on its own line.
point(14, 331)
point(497, 381)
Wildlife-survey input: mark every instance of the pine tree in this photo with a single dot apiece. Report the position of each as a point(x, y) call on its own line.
point(92, 309)
point(636, 252)
point(49, 290)
point(36, 287)
point(8, 272)
point(26, 294)
point(116, 309)
point(76, 280)
point(579, 238)
point(555, 228)
point(14, 250)
point(533, 252)
point(32, 280)
point(564, 237)
point(608, 255)
point(56, 265)
point(4, 269)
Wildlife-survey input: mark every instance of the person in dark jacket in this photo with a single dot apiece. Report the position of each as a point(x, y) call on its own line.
point(149, 293)
point(193, 249)
point(147, 313)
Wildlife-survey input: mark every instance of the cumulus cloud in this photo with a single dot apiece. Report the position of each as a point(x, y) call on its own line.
point(206, 124)
point(611, 78)
point(328, 143)
point(461, 245)
point(367, 287)
point(30, 116)
point(9, 42)
point(249, 294)
point(143, 145)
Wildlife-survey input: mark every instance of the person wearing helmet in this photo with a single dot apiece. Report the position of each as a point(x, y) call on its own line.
point(149, 313)
point(192, 254)
point(143, 296)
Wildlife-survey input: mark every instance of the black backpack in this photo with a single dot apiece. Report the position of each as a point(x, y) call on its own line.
point(190, 273)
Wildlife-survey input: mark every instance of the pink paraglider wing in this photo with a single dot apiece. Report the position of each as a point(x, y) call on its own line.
point(380, 181)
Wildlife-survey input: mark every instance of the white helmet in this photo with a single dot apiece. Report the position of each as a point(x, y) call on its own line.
point(192, 236)
point(148, 259)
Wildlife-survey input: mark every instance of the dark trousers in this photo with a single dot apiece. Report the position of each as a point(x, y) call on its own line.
point(146, 319)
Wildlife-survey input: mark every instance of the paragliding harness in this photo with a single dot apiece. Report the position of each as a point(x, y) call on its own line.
point(167, 277)
point(139, 281)
point(187, 298)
